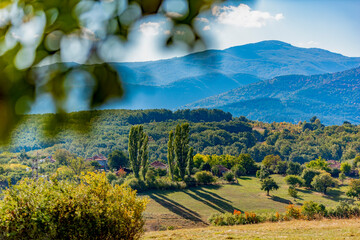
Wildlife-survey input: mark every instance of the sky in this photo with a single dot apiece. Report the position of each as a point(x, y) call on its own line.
point(333, 25)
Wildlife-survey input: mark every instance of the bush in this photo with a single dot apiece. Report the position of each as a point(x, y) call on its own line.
point(190, 181)
point(293, 212)
point(111, 177)
point(311, 210)
point(344, 210)
point(229, 219)
point(162, 183)
point(136, 184)
point(294, 181)
point(215, 170)
point(229, 176)
point(204, 177)
point(293, 192)
point(238, 170)
point(92, 209)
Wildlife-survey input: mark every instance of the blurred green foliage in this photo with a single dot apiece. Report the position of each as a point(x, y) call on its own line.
point(20, 54)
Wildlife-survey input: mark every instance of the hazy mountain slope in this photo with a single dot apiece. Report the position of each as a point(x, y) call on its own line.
point(265, 60)
point(180, 92)
point(332, 97)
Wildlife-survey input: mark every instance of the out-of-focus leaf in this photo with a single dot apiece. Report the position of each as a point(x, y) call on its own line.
point(107, 86)
point(17, 87)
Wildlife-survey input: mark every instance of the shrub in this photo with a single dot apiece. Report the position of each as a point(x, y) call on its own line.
point(111, 177)
point(215, 170)
point(205, 167)
point(238, 170)
point(229, 176)
point(293, 212)
point(293, 192)
point(92, 209)
point(204, 177)
point(311, 210)
point(136, 184)
point(354, 190)
point(344, 210)
point(293, 180)
point(345, 168)
point(228, 219)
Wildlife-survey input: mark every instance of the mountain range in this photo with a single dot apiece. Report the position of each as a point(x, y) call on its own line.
point(177, 82)
point(209, 78)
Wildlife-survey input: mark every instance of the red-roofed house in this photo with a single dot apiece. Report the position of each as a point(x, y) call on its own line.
point(158, 164)
point(101, 159)
point(222, 169)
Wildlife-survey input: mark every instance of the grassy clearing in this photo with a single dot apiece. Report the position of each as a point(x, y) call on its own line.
point(297, 229)
point(192, 207)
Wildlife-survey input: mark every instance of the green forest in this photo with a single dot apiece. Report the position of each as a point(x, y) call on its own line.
point(211, 132)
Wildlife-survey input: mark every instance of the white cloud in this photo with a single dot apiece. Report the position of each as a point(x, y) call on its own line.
point(207, 28)
point(150, 28)
point(308, 44)
point(243, 16)
point(202, 19)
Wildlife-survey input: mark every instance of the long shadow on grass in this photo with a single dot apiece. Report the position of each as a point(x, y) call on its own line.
point(176, 208)
point(209, 200)
point(282, 200)
point(336, 195)
point(215, 195)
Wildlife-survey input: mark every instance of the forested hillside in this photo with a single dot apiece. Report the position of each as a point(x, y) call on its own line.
point(211, 132)
point(333, 97)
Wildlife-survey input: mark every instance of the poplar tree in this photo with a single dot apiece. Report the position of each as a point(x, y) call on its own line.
point(171, 154)
point(138, 150)
point(144, 153)
point(181, 147)
point(190, 164)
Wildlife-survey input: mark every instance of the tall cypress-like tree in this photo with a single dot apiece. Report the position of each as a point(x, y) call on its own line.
point(190, 164)
point(138, 153)
point(144, 155)
point(171, 154)
point(181, 147)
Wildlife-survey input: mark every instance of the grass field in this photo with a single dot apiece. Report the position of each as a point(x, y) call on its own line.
point(297, 229)
point(192, 207)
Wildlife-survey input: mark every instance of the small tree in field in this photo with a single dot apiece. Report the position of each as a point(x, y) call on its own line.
point(345, 168)
point(293, 180)
point(342, 177)
point(293, 192)
point(268, 184)
point(354, 190)
point(308, 175)
point(323, 181)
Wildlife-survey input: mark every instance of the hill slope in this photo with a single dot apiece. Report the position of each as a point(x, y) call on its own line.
point(332, 97)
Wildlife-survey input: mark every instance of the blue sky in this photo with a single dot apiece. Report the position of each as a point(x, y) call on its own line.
point(329, 24)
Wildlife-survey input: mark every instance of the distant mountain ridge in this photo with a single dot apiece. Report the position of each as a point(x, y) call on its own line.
point(333, 97)
point(173, 83)
point(265, 60)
